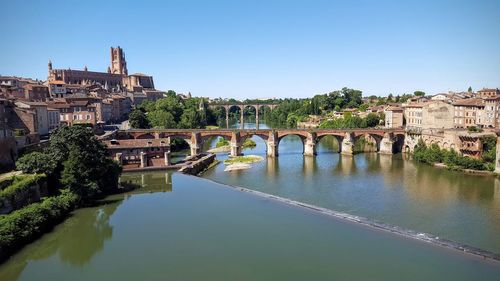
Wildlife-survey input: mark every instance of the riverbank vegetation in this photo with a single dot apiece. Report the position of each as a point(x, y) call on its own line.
point(78, 172)
point(173, 111)
point(248, 143)
point(27, 224)
point(245, 159)
point(222, 142)
point(433, 154)
point(15, 191)
point(352, 122)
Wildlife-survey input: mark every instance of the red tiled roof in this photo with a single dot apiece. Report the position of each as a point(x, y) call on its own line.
point(469, 102)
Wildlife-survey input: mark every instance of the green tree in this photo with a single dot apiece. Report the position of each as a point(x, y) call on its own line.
point(190, 119)
point(372, 120)
point(36, 163)
point(470, 89)
point(172, 104)
point(138, 119)
point(363, 107)
point(390, 98)
point(161, 119)
point(419, 93)
point(83, 162)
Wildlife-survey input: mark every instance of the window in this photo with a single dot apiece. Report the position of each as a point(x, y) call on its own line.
point(88, 116)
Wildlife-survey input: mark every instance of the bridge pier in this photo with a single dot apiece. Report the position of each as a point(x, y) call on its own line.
point(166, 156)
point(235, 144)
point(257, 117)
point(144, 160)
point(227, 117)
point(195, 144)
point(118, 158)
point(310, 145)
point(242, 122)
point(272, 145)
point(348, 144)
point(387, 144)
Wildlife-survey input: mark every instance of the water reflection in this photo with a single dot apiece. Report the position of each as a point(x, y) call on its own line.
point(346, 165)
point(90, 225)
point(149, 182)
point(309, 166)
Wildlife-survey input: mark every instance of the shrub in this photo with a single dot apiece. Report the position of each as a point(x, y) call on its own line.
point(249, 143)
point(36, 163)
point(222, 142)
point(451, 158)
point(25, 225)
point(17, 191)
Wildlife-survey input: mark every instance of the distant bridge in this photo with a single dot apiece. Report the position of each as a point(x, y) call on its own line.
point(387, 140)
point(242, 106)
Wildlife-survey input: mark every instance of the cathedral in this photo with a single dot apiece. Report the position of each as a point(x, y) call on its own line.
point(116, 76)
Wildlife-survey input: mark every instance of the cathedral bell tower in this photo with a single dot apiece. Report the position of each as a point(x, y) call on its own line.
point(118, 62)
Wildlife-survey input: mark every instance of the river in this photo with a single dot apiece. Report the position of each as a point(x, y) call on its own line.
point(178, 227)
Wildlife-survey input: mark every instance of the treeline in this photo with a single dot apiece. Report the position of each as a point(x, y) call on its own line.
point(433, 154)
point(291, 111)
point(174, 112)
point(352, 122)
point(78, 170)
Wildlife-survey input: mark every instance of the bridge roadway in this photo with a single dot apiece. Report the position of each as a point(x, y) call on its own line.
point(387, 140)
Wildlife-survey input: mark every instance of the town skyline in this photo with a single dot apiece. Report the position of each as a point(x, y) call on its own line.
point(269, 49)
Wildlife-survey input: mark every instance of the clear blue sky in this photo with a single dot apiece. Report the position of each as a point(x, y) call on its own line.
point(247, 49)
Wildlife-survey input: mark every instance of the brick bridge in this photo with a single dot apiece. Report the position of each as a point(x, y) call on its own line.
point(387, 140)
point(242, 106)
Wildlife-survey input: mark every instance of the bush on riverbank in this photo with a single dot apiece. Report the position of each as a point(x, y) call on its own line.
point(246, 159)
point(17, 193)
point(249, 143)
point(434, 154)
point(222, 142)
point(25, 225)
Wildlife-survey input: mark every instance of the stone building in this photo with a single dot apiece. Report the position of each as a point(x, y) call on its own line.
point(468, 112)
point(57, 89)
point(491, 112)
point(394, 117)
point(23, 89)
point(35, 92)
point(75, 111)
point(437, 114)
point(140, 153)
point(118, 62)
point(40, 116)
point(413, 115)
point(8, 147)
point(464, 142)
point(116, 76)
point(488, 93)
point(54, 118)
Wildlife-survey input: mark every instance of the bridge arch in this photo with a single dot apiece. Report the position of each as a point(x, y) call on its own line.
point(338, 138)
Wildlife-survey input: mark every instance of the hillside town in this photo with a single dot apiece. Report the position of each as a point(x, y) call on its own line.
point(31, 109)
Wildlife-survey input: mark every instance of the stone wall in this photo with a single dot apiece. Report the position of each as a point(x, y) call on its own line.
point(199, 165)
point(438, 115)
point(8, 153)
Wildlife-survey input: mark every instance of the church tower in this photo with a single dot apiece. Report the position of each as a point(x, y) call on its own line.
point(118, 62)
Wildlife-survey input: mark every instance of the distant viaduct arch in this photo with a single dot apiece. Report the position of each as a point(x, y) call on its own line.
point(242, 106)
